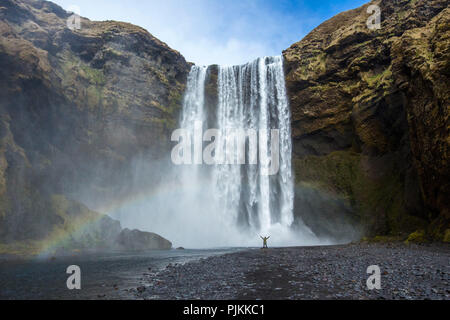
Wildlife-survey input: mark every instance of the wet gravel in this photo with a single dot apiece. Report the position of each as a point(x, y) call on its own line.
point(337, 272)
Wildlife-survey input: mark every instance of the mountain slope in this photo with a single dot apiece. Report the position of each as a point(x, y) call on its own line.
point(79, 109)
point(76, 106)
point(370, 118)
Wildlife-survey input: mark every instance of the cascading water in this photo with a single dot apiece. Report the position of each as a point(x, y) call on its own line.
point(194, 98)
point(253, 96)
point(204, 205)
point(245, 201)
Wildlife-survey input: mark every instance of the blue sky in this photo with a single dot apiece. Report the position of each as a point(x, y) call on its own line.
point(225, 32)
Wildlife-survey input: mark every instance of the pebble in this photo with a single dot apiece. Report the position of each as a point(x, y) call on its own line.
point(335, 272)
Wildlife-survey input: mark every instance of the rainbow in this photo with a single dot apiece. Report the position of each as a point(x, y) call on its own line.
point(58, 237)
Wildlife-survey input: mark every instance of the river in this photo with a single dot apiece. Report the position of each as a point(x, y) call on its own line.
point(106, 275)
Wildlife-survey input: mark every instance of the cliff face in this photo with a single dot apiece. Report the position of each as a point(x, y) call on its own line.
point(74, 103)
point(370, 119)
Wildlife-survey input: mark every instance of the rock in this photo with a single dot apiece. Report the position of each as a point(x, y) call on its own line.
point(141, 289)
point(138, 240)
point(76, 108)
point(368, 118)
point(416, 237)
point(180, 248)
point(369, 121)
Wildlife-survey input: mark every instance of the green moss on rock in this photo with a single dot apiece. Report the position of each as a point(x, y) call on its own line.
point(447, 236)
point(416, 237)
point(378, 200)
point(95, 76)
point(335, 172)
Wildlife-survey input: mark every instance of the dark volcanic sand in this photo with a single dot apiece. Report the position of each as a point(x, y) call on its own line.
point(337, 272)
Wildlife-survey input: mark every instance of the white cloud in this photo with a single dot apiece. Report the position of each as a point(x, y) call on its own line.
point(206, 32)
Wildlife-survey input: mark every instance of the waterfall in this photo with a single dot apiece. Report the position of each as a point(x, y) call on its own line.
point(194, 98)
point(254, 96)
point(225, 200)
point(241, 197)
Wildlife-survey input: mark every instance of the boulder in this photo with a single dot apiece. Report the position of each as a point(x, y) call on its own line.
point(139, 240)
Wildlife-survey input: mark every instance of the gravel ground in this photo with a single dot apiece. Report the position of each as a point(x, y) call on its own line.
point(336, 272)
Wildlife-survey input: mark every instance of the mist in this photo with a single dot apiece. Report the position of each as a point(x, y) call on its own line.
point(152, 194)
point(200, 206)
point(185, 211)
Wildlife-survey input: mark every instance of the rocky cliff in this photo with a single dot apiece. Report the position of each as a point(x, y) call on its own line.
point(78, 107)
point(74, 104)
point(371, 120)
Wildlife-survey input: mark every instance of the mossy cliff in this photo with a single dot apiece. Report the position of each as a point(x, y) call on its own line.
point(74, 104)
point(370, 119)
